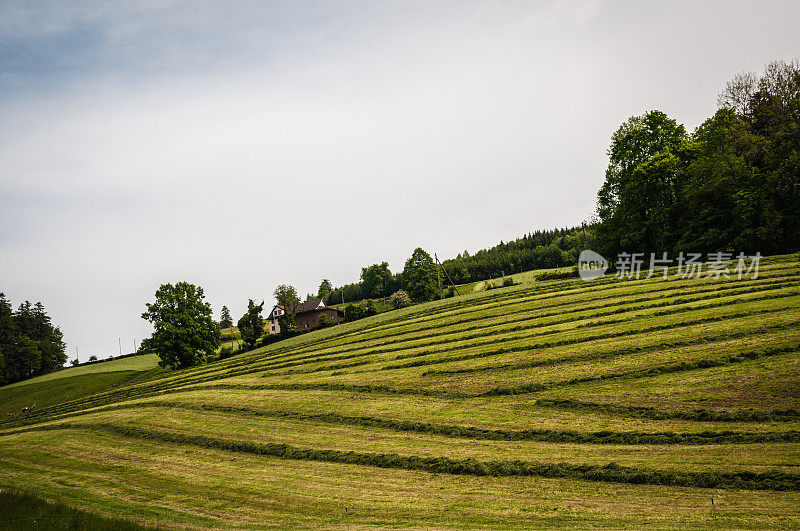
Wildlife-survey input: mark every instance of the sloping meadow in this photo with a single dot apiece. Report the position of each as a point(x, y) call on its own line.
point(608, 403)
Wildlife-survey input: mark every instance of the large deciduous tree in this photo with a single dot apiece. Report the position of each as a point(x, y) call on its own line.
point(419, 276)
point(185, 332)
point(637, 200)
point(376, 280)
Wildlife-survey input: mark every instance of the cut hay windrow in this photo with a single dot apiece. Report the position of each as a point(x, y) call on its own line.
point(771, 480)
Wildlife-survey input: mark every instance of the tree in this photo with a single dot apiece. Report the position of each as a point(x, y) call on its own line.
point(29, 344)
point(185, 332)
point(325, 289)
point(226, 321)
point(400, 299)
point(353, 312)
point(419, 276)
point(636, 203)
point(8, 339)
point(734, 185)
point(286, 296)
point(376, 280)
point(251, 325)
point(370, 309)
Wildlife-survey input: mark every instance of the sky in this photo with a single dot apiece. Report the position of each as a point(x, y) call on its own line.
point(241, 145)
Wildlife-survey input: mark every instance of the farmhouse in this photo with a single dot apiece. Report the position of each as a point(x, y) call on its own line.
point(306, 315)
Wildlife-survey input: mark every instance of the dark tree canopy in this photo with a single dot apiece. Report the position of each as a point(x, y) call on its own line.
point(376, 280)
point(419, 276)
point(185, 332)
point(325, 289)
point(29, 344)
point(733, 185)
point(251, 325)
point(287, 297)
point(225, 321)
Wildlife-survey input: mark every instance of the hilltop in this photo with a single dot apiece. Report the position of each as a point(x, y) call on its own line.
point(552, 402)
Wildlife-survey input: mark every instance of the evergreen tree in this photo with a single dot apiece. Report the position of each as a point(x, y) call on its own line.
point(325, 289)
point(8, 339)
point(226, 321)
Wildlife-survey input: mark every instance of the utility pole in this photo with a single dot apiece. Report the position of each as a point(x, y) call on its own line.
point(76, 354)
point(583, 227)
point(453, 284)
point(134, 344)
point(438, 277)
point(119, 340)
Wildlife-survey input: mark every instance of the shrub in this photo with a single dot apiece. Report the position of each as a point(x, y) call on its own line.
point(400, 299)
point(353, 312)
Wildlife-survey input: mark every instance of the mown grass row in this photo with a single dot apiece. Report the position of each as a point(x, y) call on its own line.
point(503, 391)
point(555, 290)
point(618, 306)
point(683, 366)
point(313, 357)
point(561, 290)
point(707, 437)
point(612, 472)
point(241, 367)
point(320, 346)
point(593, 324)
point(619, 352)
point(159, 387)
point(650, 413)
point(563, 342)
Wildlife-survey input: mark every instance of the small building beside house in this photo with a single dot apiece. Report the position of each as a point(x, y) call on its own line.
point(272, 319)
point(306, 315)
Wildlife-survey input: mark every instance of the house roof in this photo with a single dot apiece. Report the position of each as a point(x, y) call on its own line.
point(310, 306)
point(272, 312)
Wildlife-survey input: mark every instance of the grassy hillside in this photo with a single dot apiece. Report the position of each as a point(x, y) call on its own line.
point(74, 382)
point(611, 403)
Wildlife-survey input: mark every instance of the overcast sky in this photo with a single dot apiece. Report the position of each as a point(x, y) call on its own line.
point(239, 145)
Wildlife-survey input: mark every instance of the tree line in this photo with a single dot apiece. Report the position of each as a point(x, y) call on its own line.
point(29, 343)
point(732, 185)
point(418, 280)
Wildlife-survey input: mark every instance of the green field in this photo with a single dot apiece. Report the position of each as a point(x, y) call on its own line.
point(549, 403)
